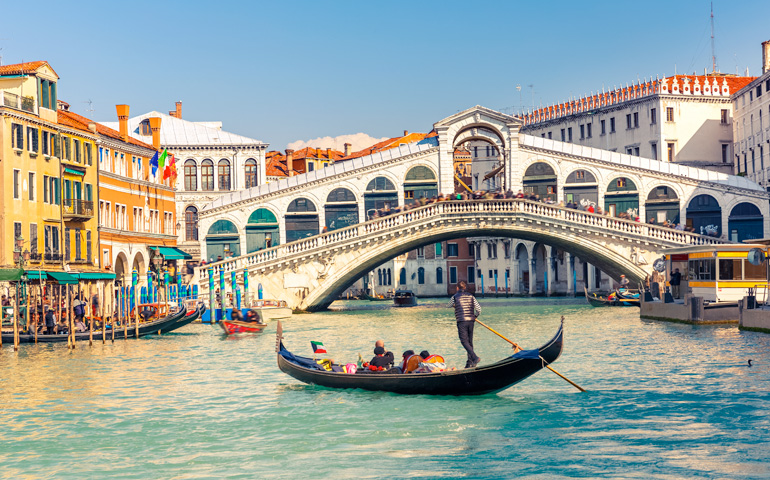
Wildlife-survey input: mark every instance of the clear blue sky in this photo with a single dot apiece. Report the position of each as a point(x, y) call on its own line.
point(282, 71)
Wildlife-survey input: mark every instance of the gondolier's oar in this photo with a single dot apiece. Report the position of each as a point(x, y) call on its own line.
point(517, 346)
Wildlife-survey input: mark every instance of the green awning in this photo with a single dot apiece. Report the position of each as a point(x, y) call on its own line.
point(10, 274)
point(36, 275)
point(63, 278)
point(173, 253)
point(73, 171)
point(95, 276)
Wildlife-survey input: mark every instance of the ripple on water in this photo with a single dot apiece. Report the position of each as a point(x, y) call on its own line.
point(664, 401)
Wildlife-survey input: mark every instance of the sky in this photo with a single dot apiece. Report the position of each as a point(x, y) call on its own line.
point(296, 72)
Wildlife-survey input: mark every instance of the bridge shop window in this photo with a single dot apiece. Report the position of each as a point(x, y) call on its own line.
point(341, 209)
point(207, 175)
point(222, 241)
point(301, 220)
point(420, 182)
point(380, 192)
point(262, 230)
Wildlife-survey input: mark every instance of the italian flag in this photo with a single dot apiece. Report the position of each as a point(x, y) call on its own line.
point(318, 347)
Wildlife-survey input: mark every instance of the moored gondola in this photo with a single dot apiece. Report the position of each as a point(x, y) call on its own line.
point(161, 325)
point(474, 381)
point(611, 300)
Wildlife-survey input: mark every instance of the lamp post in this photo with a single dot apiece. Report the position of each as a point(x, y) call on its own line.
point(20, 258)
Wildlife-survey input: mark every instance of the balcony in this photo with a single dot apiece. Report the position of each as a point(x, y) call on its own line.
point(12, 100)
point(78, 210)
point(53, 257)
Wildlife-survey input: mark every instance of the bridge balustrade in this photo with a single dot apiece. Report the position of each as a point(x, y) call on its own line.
point(394, 221)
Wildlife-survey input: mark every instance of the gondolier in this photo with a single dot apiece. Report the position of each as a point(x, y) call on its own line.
point(467, 308)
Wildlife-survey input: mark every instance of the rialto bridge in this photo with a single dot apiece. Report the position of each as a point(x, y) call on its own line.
point(274, 229)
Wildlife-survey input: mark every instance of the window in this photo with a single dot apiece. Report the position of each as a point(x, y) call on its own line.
point(33, 237)
point(670, 151)
point(620, 183)
point(47, 139)
point(724, 116)
point(507, 249)
point(190, 175)
point(582, 132)
point(569, 134)
point(653, 116)
point(88, 246)
point(191, 224)
point(439, 275)
point(654, 151)
point(67, 148)
point(452, 250)
point(78, 245)
point(16, 230)
point(45, 188)
point(251, 173)
point(628, 121)
point(420, 252)
point(421, 276)
point(452, 274)
point(550, 135)
point(636, 151)
point(759, 90)
point(87, 153)
point(471, 252)
point(16, 184)
point(636, 119)
point(17, 136)
point(56, 145)
point(471, 275)
point(580, 174)
point(207, 175)
point(32, 139)
point(67, 244)
point(76, 147)
point(224, 174)
point(31, 186)
point(563, 135)
point(669, 114)
point(439, 250)
point(492, 250)
point(612, 125)
point(603, 127)
point(588, 130)
point(724, 153)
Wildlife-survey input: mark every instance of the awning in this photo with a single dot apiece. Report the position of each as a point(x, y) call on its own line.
point(63, 278)
point(95, 276)
point(10, 274)
point(173, 253)
point(73, 171)
point(36, 275)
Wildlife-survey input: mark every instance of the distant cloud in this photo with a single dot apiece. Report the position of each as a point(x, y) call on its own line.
point(359, 141)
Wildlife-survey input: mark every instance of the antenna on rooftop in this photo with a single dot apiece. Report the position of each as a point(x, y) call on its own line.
point(713, 52)
point(90, 105)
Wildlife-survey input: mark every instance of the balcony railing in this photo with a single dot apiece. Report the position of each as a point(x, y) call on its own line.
point(78, 208)
point(21, 103)
point(53, 257)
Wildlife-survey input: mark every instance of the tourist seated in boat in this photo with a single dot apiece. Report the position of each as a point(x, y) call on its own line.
point(80, 326)
point(147, 313)
point(236, 315)
point(389, 355)
point(404, 359)
point(61, 327)
point(380, 361)
point(253, 316)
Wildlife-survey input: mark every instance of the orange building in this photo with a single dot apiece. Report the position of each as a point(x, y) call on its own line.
point(137, 214)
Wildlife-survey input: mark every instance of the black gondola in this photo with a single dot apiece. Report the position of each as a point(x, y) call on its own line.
point(475, 381)
point(597, 300)
point(162, 325)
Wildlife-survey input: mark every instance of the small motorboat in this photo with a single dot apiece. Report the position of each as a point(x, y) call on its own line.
point(271, 309)
point(231, 327)
point(404, 298)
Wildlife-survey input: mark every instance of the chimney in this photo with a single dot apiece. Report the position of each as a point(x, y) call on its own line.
point(329, 153)
point(123, 120)
point(178, 112)
point(406, 132)
point(766, 56)
point(290, 161)
point(92, 127)
point(347, 149)
point(155, 129)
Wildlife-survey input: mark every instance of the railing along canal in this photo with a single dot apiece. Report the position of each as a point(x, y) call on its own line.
point(398, 220)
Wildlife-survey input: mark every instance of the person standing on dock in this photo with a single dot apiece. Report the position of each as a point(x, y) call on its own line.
point(467, 308)
point(676, 281)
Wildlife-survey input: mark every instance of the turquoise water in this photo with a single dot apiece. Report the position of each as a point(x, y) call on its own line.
point(664, 401)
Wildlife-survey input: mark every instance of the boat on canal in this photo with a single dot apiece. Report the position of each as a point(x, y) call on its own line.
point(613, 299)
point(165, 324)
point(474, 381)
point(404, 298)
point(271, 309)
point(232, 327)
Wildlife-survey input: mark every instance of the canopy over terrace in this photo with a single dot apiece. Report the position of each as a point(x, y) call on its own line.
point(172, 253)
point(62, 278)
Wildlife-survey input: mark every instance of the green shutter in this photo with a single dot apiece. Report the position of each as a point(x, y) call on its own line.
point(67, 190)
point(89, 192)
point(53, 96)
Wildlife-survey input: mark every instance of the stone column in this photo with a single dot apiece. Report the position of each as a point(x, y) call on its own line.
point(515, 278)
point(591, 277)
point(532, 276)
point(549, 253)
point(570, 261)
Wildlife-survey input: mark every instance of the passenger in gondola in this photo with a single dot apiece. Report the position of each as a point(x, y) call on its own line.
point(380, 361)
point(147, 313)
point(389, 355)
point(80, 326)
point(61, 327)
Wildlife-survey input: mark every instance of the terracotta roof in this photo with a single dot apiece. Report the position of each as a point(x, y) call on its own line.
point(276, 165)
point(20, 68)
point(72, 119)
point(319, 153)
point(391, 143)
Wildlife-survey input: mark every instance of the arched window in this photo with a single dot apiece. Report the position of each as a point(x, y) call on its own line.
point(251, 173)
point(341, 209)
point(191, 224)
point(420, 182)
point(379, 276)
point(439, 275)
point(222, 241)
point(207, 175)
point(402, 277)
point(301, 219)
point(190, 175)
point(390, 278)
point(224, 174)
point(421, 276)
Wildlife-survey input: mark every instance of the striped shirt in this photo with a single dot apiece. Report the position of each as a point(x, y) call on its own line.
point(466, 306)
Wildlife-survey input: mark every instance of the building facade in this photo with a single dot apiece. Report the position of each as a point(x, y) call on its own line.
point(684, 119)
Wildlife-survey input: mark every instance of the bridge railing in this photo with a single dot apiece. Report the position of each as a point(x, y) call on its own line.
point(395, 221)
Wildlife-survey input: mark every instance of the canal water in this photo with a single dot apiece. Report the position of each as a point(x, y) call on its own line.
point(664, 401)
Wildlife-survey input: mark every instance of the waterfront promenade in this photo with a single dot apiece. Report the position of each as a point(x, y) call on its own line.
point(664, 401)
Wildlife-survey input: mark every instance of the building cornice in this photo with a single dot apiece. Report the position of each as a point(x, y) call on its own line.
point(141, 183)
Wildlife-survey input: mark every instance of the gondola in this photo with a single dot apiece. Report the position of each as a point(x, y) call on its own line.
point(611, 300)
point(231, 327)
point(190, 317)
point(162, 325)
point(474, 381)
